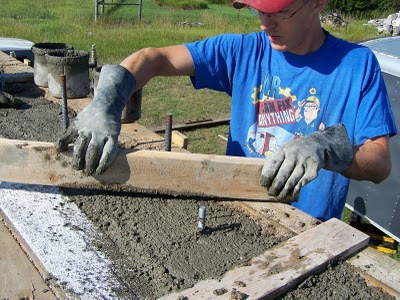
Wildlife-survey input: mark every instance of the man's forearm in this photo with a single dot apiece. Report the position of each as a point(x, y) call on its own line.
point(151, 62)
point(371, 161)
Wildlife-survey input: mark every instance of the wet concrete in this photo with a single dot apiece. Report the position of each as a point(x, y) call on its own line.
point(154, 242)
point(34, 118)
point(338, 281)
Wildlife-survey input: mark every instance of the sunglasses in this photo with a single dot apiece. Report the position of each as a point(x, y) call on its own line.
point(282, 14)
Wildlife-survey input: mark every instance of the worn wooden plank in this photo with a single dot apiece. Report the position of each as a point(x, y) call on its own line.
point(376, 268)
point(18, 278)
point(379, 270)
point(283, 267)
point(13, 70)
point(23, 276)
point(173, 173)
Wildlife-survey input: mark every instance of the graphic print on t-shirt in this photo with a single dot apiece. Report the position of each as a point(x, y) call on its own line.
point(280, 116)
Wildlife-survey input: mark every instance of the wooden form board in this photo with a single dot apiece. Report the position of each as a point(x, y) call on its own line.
point(13, 70)
point(179, 139)
point(379, 270)
point(283, 267)
point(159, 172)
point(23, 275)
point(19, 279)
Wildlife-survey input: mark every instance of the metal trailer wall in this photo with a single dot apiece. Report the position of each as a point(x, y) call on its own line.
point(380, 203)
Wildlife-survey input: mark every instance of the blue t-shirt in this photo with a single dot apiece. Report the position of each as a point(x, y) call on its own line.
point(280, 96)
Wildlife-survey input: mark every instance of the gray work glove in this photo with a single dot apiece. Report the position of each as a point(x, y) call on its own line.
point(99, 124)
point(297, 162)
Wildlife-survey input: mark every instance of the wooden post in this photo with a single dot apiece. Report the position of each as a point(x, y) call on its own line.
point(96, 12)
point(140, 10)
point(101, 3)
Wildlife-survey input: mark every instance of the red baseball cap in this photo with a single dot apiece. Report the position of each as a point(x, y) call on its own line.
point(267, 6)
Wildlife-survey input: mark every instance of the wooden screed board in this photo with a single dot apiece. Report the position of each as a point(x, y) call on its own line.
point(170, 173)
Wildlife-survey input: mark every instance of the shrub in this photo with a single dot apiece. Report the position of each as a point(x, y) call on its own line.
point(184, 4)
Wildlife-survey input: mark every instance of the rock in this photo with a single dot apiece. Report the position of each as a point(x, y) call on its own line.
point(396, 26)
point(190, 24)
point(390, 25)
point(380, 29)
point(8, 101)
point(334, 19)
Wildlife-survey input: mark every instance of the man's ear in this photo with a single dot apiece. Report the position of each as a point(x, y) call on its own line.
point(320, 5)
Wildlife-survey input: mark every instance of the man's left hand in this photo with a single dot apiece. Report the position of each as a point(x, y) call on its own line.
point(297, 162)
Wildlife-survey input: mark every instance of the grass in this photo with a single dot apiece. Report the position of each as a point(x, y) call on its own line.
point(397, 255)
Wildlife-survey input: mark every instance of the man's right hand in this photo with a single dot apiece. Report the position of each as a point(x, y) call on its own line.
point(98, 126)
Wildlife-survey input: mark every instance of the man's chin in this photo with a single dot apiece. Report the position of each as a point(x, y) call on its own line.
point(279, 47)
point(277, 43)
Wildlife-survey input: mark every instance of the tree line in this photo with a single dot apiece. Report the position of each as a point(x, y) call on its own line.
point(366, 8)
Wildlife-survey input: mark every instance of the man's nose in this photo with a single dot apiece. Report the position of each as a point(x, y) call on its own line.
point(267, 21)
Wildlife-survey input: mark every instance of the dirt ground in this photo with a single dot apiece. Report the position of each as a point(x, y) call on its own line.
point(154, 242)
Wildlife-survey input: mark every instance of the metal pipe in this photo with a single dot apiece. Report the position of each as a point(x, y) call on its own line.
point(64, 108)
point(140, 10)
point(168, 133)
point(202, 218)
point(93, 57)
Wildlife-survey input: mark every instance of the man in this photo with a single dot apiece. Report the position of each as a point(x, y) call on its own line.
point(267, 74)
